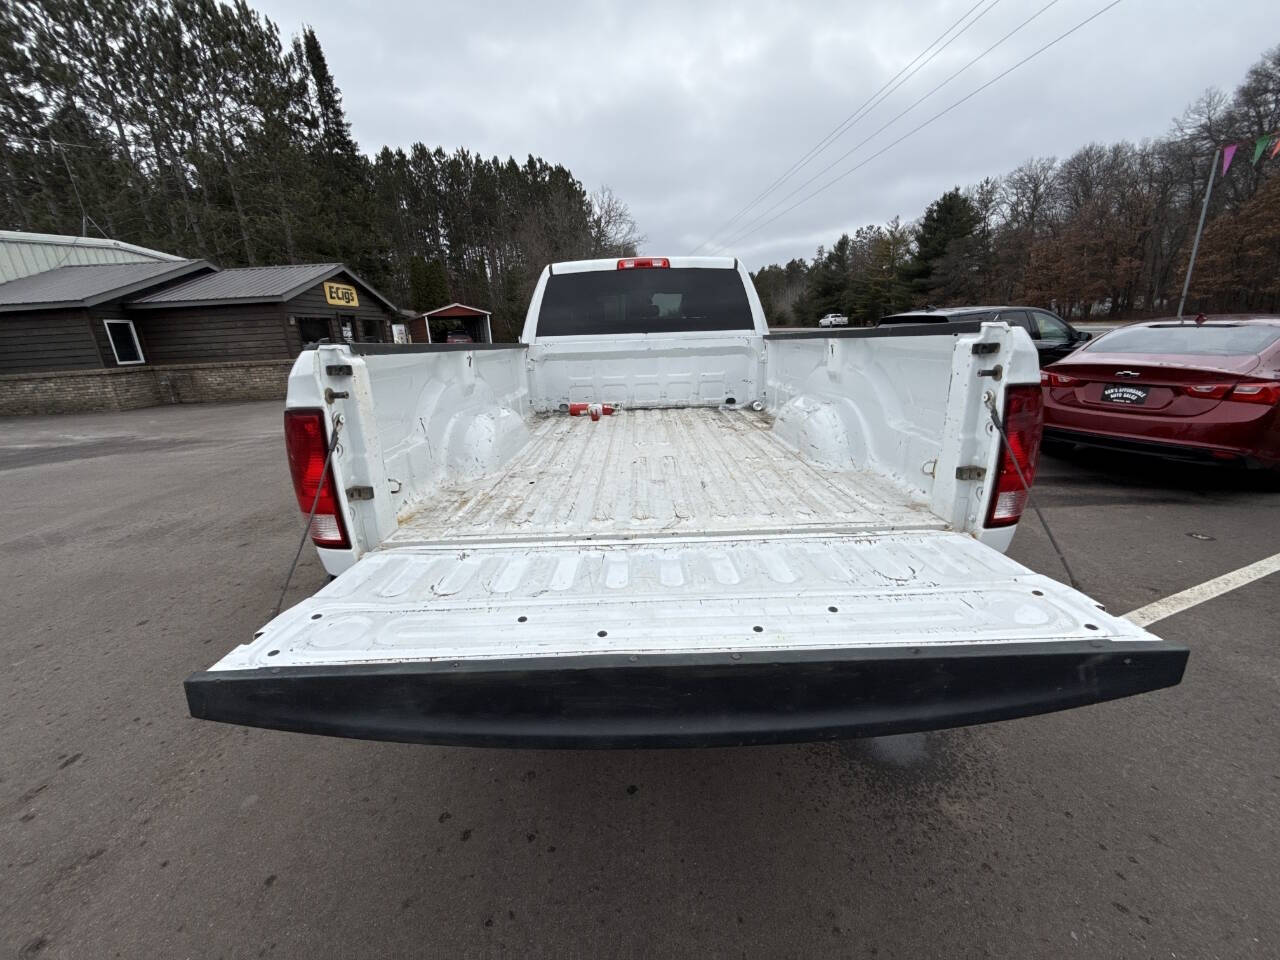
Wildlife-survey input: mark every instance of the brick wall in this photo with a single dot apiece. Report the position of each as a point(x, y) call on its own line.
point(223, 382)
point(128, 388)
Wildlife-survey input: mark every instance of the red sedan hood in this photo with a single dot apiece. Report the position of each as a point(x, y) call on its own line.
point(1177, 367)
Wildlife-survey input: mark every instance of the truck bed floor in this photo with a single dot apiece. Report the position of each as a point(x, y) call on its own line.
point(690, 471)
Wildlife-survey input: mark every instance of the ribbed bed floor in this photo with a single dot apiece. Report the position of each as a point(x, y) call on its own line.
point(695, 470)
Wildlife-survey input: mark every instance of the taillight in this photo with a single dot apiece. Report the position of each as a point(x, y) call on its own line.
point(307, 444)
point(1267, 392)
point(1023, 425)
point(1062, 380)
point(639, 263)
point(1209, 391)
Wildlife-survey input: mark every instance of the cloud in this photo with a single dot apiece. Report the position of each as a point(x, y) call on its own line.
point(689, 110)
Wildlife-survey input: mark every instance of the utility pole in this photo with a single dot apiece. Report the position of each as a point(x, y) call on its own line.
point(1195, 244)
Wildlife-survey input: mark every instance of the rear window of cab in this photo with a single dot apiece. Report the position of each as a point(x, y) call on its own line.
point(660, 300)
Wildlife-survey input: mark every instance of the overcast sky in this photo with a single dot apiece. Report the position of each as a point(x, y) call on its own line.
point(689, 109)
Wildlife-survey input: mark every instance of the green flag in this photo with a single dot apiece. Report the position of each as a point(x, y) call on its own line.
point(1259, 146)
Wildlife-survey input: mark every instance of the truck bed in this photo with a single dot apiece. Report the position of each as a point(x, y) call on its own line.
point(690, 471)
point(686, 576)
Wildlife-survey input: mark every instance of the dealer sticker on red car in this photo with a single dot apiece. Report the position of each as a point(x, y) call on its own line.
point(1124, 393)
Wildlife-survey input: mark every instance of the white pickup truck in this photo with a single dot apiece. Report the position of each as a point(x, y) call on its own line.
point(746, 538)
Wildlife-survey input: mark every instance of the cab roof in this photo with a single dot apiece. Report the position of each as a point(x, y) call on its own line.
point(611, 263)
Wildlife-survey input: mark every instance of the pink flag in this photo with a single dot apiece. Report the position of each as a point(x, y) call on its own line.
point(1227, 154)
point(1275, 149)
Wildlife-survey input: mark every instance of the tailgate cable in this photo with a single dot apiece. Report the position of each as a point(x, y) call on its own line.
point(315, 503)
point(990, 401)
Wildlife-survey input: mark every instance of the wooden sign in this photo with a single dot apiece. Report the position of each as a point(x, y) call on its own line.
point(340, 295)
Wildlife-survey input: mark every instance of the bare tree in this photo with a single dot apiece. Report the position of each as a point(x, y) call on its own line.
point(613, 228)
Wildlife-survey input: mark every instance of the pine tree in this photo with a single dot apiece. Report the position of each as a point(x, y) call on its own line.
point(436, 285)
point(190, 126)
point(345, 219)
point(334, 130)
point(428, 284)
point(949, 220)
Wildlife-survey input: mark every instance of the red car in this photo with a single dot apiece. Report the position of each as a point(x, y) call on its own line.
point(1187, 390)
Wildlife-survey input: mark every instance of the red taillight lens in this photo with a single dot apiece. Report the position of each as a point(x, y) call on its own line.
point(307, 444)
point(641, 263)
point(1061, 380)
point(1208, 391)
point(1023, 424)
point(1267, 393)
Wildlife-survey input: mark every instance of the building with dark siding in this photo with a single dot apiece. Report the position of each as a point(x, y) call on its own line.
point(68, 318)
point(256, 313)
point(100, 325)
point(184, 311)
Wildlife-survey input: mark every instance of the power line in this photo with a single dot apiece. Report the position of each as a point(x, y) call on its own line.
point(884, 126)
point(936, 116)
point(850, 120)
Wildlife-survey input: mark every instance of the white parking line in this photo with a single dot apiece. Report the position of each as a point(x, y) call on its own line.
point(1185, 599)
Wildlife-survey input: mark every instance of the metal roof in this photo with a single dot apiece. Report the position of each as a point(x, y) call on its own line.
point(242, 283)
point(456, 309)
point(24, 254)
point(249, 285)
point(83, 286)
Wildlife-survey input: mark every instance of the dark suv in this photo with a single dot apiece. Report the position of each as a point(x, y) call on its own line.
point(1054, 337)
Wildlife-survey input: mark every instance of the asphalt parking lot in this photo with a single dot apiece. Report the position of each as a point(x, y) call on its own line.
point(137, 548)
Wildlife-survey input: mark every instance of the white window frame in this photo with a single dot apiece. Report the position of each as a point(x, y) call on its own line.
point(137, 345)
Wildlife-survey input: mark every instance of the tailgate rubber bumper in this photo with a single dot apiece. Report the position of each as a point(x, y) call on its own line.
point(685, 700)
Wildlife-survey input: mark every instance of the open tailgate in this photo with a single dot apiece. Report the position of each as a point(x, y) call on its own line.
point(680, 643)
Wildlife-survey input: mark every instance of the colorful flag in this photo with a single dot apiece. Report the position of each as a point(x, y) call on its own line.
point(1259, 145)
point(1227, 154)
point(1275, 149)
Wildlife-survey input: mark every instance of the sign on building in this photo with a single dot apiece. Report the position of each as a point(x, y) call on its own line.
point(340, 295)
